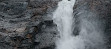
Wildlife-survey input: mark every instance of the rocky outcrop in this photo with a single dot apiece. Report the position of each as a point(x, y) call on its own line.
point(25, 24)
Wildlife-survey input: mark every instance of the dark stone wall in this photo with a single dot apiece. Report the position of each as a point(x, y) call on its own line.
point(25, 24)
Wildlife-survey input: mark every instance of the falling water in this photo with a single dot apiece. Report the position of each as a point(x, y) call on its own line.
point(63, 17)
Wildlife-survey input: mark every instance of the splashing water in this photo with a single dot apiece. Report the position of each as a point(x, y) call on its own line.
point(63, 17)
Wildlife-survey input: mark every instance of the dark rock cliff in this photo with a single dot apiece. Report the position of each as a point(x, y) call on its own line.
point(25, 24)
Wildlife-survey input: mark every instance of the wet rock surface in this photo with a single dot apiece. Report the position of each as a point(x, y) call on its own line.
point(95, 10)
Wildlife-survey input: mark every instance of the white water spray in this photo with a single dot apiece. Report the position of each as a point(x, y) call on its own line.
point(63, 17)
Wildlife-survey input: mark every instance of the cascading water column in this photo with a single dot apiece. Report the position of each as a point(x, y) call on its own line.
point(63, 17)
point(90, 34)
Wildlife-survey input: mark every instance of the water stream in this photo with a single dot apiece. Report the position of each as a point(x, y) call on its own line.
point(63, 17)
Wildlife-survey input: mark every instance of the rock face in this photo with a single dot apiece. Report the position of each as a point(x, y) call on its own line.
point(27, 24)
point(95, 9)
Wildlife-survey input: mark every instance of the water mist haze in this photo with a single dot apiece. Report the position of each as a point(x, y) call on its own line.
point(86, 34)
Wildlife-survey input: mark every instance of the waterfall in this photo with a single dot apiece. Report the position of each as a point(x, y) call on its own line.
point(63, 17)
